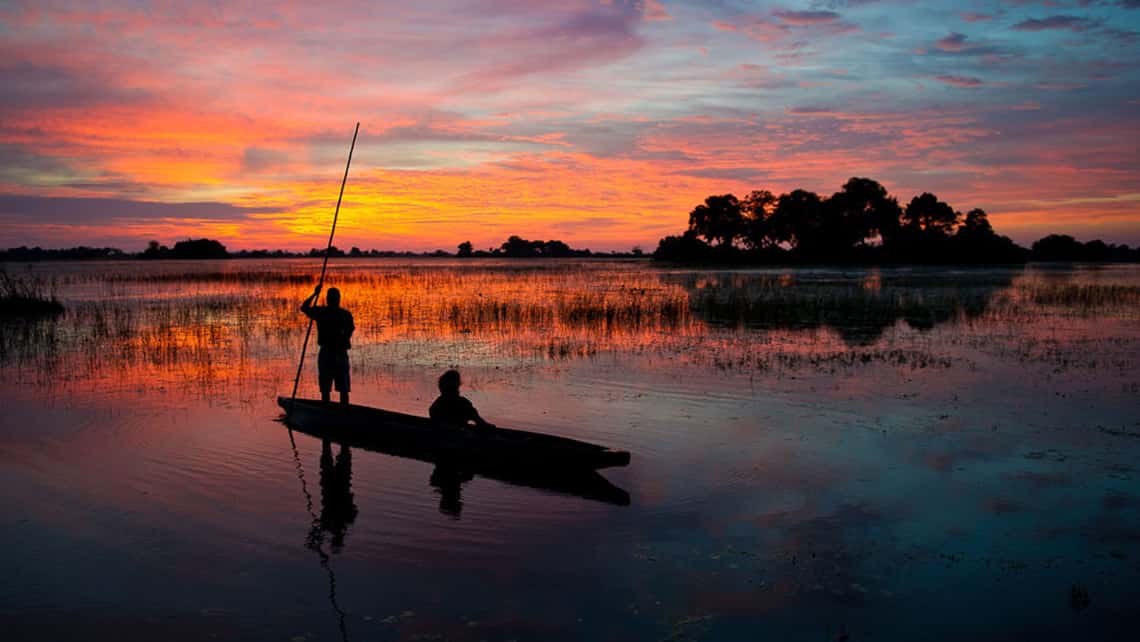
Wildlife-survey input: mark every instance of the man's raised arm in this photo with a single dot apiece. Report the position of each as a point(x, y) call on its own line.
point(307, 305)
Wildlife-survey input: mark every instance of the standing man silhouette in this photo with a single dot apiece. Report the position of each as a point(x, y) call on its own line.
point(334, 331)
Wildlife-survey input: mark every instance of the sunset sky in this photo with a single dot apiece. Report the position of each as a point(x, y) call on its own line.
point(598, 123)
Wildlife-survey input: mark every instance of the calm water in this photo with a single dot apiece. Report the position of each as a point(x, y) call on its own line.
point(876, 454)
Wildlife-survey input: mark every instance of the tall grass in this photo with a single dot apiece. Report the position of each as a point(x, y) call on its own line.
point(26, 298)
point(220, 327)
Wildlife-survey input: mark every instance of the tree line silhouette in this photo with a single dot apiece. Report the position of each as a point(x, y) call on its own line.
point(517, 247)
point(861, 223)
point(513, 247)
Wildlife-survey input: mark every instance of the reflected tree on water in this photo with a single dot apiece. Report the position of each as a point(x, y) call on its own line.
point(858, 311)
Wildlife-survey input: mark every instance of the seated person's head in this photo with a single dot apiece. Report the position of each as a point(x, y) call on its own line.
point(333, 298)
point(449, 383)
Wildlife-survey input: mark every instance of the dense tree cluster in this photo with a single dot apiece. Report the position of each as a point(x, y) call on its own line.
point(188, 249)
point(859, 223)
point(1062, 247)
point(517, 247)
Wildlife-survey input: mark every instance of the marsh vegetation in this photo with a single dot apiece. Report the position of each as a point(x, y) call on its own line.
point(201, 319)
point(22, 297)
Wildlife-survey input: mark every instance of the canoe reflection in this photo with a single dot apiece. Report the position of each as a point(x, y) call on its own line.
point(338, 509)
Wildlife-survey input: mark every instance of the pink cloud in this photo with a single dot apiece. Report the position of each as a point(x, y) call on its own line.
point(971, 16)
point(953, 42)
point(655, 11)
point(807, 18)
point(960, 81)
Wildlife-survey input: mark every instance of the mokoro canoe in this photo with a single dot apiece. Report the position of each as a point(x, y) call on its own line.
point(421, 438)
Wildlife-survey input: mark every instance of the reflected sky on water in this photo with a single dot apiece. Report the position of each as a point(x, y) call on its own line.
point(883, 454)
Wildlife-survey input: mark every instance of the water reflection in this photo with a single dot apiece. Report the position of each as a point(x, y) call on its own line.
point(859, 309)
point(336, 497)
point(338, 511)
point(447, 481)
point(769, 494)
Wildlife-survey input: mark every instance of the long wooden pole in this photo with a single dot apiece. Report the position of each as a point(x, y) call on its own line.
point(324, 268)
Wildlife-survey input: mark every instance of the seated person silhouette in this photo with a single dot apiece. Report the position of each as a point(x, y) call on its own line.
point(452, 410)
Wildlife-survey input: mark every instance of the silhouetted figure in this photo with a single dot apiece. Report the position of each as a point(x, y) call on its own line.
point(338, 511)
point(451, 409)
point(448, 482)
point(334, 333)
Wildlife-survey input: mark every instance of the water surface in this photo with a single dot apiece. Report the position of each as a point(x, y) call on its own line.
point(890, 454)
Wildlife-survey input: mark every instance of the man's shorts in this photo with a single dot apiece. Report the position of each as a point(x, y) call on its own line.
point(332, 368)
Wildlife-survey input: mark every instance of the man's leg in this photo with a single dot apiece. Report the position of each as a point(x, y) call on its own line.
point(344, 383)
point(324, 376)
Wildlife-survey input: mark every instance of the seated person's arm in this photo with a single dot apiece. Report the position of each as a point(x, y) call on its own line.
point(473, 416)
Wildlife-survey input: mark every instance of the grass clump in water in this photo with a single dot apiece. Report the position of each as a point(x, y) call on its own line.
point(26, 298)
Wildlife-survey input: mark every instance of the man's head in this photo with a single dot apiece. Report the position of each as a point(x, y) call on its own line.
point(333, 298)
point(449, 383)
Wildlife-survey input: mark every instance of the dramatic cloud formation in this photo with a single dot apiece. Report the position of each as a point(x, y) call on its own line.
point(601, 122)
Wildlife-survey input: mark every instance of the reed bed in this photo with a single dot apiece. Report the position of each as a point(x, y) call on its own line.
point(214, 326)
point(27, 297)
point(230, 277)
point(1085, 296)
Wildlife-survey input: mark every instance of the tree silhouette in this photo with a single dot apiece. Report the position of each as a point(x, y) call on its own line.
point(866, 211)
point(757, 209)
point(799, 221)
point(976, 242)
point(1097, 250)
point(1058, 247)
point(925, 212)
point(155, 251)
point(465, 249)
point(718, 219)
point(518, 247)
point(198, 249)
point(977, 223)
point(686, 247)
point(802, 227)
